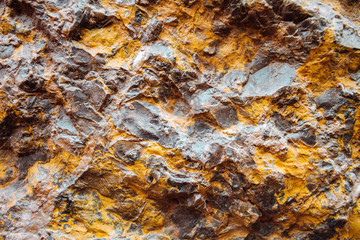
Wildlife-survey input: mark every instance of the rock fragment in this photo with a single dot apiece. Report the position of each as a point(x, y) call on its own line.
point(152, 31)
point(145, 120)
point(268, 80)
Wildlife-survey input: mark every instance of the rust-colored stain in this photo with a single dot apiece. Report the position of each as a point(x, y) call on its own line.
point(189, 119)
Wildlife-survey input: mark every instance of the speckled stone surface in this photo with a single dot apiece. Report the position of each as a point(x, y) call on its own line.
point(188, 119)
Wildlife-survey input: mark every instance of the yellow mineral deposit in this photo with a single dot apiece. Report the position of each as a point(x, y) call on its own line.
point(179, 119)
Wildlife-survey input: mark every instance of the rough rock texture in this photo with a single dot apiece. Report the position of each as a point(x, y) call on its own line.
point(179, 119)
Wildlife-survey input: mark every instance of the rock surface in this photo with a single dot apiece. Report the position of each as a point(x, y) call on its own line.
point(189, 119)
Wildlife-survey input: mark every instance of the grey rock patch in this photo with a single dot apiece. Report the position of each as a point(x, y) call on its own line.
point(226, 116)
point(96, 93)
point(125, 2)
point(269, 80)
point(80, 106)
point(145, 120)
point(224, 113)
point(330, 101)
point(64, 123)
point(156, 49)
point(348, 37)
point(6, 51)
point(355, 76)
point(69, 143)
point(152, 31)
point(234, 78)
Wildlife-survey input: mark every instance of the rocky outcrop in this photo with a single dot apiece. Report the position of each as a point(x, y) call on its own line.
point(154, 119)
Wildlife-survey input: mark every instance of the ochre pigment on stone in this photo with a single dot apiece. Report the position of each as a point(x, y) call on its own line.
point(189, 119)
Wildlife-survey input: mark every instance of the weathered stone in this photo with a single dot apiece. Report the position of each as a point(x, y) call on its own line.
point(268, 80)
point(246, 212)
point(331, 101)
point(96, 92)
point(235, 79)
point(220, 28)
point(80, 104)
point(349, 37)
point(191, 119)
point(157, 52)
point(127, 151)
point(152, 31)
point(6, 51)
point(185, 219)
point(78, 65)
point(144, 120)
point(64, 123)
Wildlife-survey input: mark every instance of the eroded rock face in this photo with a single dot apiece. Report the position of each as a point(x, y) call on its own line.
point(268, 80)
point(193, 119)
